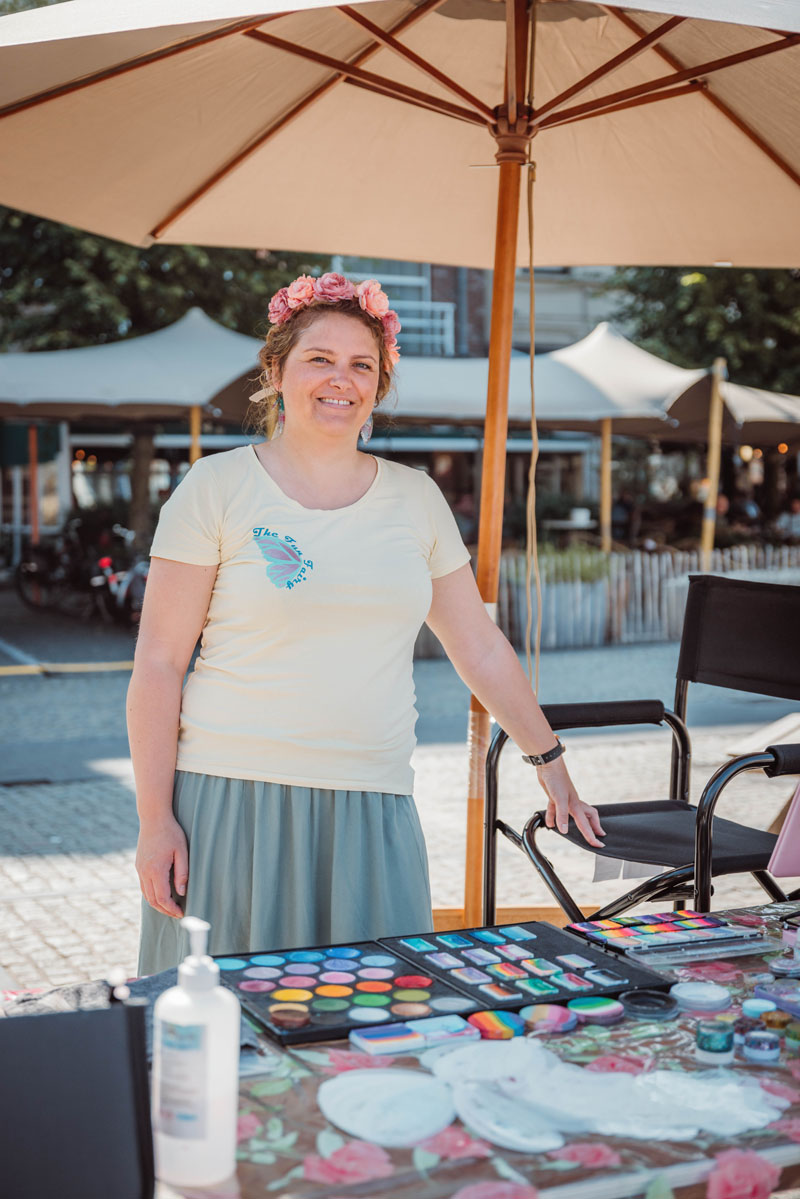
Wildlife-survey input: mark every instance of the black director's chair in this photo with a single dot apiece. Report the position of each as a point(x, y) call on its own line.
point(736, 634)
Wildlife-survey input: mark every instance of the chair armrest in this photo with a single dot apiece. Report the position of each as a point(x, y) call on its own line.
point(598, 715)
point(787, 760)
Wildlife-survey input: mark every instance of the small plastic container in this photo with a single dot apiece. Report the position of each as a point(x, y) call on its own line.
point(701, 997)
point(776, 1021)
point(755, 1007)
point(762, 1046)
point(743, 1026)
point(714, 1043)
point(791, 1039)
point(649, 1005)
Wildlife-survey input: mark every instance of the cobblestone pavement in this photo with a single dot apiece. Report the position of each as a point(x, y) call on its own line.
point(69, 900)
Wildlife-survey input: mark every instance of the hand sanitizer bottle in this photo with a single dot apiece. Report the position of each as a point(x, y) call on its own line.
point(195, 1071)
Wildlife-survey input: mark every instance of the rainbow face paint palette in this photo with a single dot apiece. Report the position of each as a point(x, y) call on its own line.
point(684, 933)
point(507, 967)
point(304, 995)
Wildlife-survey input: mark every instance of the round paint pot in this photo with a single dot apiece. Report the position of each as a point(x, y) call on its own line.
point(412, 995)
point(791, 1039)
point(337, 964)
point(257, 985)
point(754, 1007)
point(762, 1046)
point(231, 963)
point(262, 972)
point(597, 1009)
point(701, 997)
point(297, 980)
point(368, 1015)
point(776, 1021)
point(267, 959)
point(649, 1005)
point(413, 1011)
point(288, 1016)
point(301, 968)
point(304, 955)
point(413, 980)
point(377, 959)
point(330, 1005)
point(376, 972)
point(452, 1003)
point(497, 1026)
point(371, 1000)
point(544, 1018)
point(333, 991)
point(336, 976)
point(374, 988)
point(292, 995)
point(346, 951)
point(714, 1044)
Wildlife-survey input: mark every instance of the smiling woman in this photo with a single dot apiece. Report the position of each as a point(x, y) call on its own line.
point(274, 793)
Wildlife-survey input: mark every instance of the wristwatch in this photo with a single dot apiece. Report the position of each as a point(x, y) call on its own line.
point(551, 755)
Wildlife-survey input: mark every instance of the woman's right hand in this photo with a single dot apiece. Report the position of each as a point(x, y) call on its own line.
point(162, 848)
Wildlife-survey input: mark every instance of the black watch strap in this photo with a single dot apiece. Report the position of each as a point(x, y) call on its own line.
point(551, 755)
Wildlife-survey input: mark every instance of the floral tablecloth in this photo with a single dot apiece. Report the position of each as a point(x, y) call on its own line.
point(288, 1150)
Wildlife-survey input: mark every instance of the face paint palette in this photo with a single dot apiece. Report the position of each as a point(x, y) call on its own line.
point(507, 967)
point(684, 933)
point(304, 995)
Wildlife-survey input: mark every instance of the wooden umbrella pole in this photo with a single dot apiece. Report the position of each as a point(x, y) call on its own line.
point(511, 155)
point(194, 433)
point(712, 470)
point(33, 480)
point(605, 485)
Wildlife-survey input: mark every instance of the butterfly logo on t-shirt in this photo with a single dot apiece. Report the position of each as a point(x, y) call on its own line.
point(286, 566)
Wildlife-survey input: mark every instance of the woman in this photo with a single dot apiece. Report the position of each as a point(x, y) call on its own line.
point(308, 567)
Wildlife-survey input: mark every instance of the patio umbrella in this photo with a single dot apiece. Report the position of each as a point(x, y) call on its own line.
point(659, 138)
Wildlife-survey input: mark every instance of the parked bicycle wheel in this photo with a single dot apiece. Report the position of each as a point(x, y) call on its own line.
point(35, 582)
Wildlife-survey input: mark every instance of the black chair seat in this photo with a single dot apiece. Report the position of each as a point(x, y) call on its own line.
point(663, 835)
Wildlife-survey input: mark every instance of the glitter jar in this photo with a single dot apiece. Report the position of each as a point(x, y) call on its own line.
point(762, 1046)
point(714, 1045)
point(791, 1039)
point(777, 1021)
point(744, 1025)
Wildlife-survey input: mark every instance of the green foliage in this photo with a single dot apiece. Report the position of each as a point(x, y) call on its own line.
point(749, 316)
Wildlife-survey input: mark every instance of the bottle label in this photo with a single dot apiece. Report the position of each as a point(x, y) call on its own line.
point(182, 1096)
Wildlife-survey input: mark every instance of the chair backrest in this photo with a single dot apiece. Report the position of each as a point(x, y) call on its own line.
point(741, 634)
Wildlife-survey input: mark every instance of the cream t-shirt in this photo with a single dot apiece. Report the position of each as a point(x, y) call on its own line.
point(305, 670)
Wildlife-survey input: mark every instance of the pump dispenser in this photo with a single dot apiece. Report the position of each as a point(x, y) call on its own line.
point(195, 1071)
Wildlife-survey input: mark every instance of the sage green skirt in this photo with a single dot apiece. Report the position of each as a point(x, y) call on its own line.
point(280, 867)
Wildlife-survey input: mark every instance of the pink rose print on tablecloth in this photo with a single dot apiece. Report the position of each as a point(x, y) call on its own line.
point(790, 1127)
point(496, 1190)
point(794, 1070)
point(587, 1153)
point(301, 291)
point(372, 298)
point(454, 1142)
point(340, 1060)
point(356, 1162)
point(333, 287)
point(247, 1126)
point(618, 1063)
point(742, 1174)
point(780, 1090)
point(279, 309)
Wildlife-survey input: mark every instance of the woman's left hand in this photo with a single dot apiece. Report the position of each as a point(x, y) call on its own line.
point(563, 802)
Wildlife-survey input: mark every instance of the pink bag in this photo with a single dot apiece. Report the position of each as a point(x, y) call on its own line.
point(785, 860)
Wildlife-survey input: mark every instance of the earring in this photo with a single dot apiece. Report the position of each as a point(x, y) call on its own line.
point(366, 429)
point(281, 421)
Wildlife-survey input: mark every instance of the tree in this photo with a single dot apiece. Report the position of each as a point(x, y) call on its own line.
point(749, 316)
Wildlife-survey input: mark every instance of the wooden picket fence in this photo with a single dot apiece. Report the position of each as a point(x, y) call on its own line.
point(623, 598)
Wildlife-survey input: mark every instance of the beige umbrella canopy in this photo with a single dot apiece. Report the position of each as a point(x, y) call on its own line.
point(658, 137)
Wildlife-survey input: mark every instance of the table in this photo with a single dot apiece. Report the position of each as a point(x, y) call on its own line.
point(287, 1149)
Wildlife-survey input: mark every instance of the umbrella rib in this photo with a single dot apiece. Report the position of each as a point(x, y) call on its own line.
point(681, 76)
point(400, 91)
point(613, 64)
point(695, 86)
point(516, 56)
point(720, 105)
point(272, 130)
point(378, 90)
point(133, 64)
point(391, 43)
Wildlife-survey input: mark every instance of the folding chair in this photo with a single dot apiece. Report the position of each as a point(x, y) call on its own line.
point(736, 634)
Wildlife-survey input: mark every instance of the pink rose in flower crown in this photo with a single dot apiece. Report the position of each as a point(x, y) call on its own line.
point(279, 309)
point(301, 291)
point(332, 288)
point(357, 1162)
point(453, 1143)
point(392, 350)
point(587, 1153)
point(372, 298)
point(742, 1174)
point(391, 324)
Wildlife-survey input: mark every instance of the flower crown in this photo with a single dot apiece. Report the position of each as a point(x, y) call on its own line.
point(332, 288)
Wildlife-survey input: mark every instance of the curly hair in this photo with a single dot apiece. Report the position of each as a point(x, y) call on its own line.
point(281, 339)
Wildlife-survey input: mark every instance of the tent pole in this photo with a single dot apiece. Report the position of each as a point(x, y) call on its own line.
point(712, 469)
point(490, 531)
point(605, 485)
point(194, 433)
point(33, 481)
